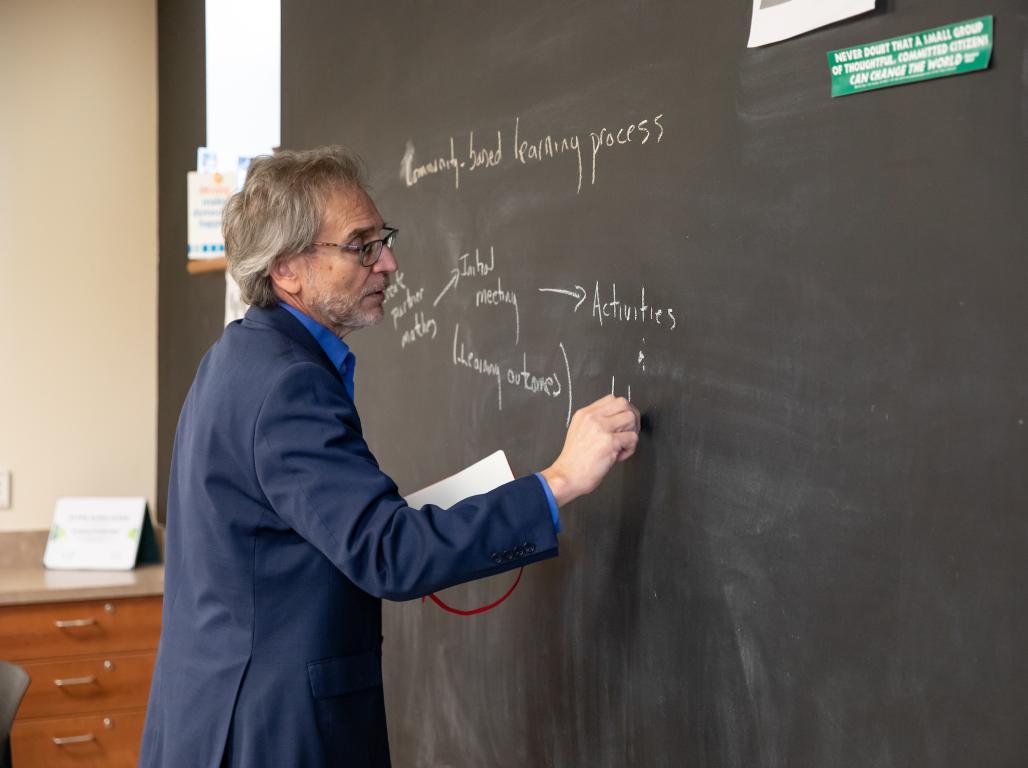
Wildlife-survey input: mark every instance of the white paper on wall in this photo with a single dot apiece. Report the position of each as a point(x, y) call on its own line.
point(206, 194)
point(775, 20)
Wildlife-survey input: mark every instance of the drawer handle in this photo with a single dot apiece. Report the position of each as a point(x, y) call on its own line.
point(61, 682)
point(60, 741)
point(65, 623)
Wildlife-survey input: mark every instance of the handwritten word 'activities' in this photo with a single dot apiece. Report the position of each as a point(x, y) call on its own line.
point(524, 144)
point(607, 306)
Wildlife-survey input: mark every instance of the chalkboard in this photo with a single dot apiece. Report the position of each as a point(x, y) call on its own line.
point(818, 555)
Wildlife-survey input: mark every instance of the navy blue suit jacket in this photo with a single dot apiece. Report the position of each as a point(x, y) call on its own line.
point(282, 536)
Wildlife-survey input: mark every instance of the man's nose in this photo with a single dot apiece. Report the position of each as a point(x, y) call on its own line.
point(386, 261)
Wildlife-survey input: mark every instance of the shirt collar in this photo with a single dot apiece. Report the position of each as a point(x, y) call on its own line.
point(335, 348)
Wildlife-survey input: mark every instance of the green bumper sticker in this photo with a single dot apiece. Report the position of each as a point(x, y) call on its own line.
point(950, 50)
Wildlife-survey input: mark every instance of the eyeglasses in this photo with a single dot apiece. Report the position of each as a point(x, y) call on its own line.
point(369, 252)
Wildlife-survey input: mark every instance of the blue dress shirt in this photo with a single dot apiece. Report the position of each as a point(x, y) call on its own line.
point(345, 362)
point(337, 350)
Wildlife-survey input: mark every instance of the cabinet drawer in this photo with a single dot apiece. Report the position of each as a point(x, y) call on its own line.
point(46, 630)
point(111, 741)
point(92, 684)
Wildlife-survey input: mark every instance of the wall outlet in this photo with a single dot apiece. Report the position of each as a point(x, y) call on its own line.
point(5, 488)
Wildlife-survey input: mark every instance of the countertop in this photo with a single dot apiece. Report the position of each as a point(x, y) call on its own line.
point(23, 579)
point(38, 585)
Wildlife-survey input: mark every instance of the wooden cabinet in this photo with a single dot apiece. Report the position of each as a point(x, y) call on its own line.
point(91, 684)
point(90, 740)
point(90, 662)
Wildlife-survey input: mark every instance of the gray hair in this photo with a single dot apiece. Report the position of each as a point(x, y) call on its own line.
point(278, 212)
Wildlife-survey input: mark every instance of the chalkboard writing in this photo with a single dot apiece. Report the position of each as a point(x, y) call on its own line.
point(527, 148)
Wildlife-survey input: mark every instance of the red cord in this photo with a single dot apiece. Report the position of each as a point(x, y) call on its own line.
point(484, 608)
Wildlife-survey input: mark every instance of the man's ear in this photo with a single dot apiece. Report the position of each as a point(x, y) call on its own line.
point(285, 274)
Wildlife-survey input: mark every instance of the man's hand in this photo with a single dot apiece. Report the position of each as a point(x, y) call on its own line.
point(599, 435)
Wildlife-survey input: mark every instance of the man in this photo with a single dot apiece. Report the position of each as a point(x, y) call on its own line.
point(283, 533)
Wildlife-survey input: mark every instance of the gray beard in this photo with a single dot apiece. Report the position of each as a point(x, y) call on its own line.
point(343, 314)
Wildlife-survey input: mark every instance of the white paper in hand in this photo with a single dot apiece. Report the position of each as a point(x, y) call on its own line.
point(481, 477)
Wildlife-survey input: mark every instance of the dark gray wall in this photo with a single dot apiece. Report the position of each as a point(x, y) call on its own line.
point(817, 558)
point(190, 307)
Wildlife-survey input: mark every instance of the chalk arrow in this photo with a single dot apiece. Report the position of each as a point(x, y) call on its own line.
point(579, 293)
point(453, 281)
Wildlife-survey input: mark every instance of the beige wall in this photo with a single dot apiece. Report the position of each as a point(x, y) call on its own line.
point(78, 252)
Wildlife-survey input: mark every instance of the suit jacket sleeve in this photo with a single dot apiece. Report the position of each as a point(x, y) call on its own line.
point(319, 476)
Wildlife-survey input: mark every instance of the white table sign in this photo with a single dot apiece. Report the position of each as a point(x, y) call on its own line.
point(108, 534)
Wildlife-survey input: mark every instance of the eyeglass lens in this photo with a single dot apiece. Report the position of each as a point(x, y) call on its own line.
point(374, 249)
